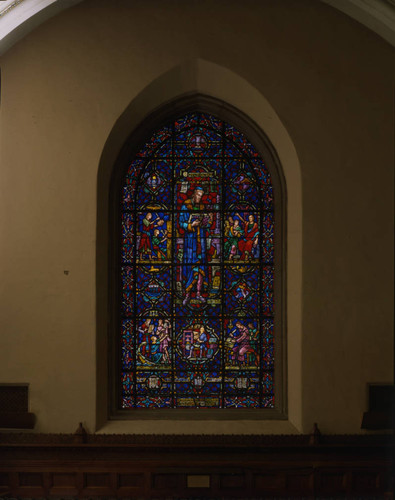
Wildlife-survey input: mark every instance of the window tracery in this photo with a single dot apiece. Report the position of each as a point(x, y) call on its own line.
point(197, 271)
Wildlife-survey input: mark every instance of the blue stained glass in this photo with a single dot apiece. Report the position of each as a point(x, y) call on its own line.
point(242, 382)
point(268, 402)
point(155, 187)
point(127, 303)
point(267, 357)
point(198, 383)
point(267, 381)
point(155, 279)
point(127, 225)
point(128, 195)
point(127, 383)
point(242, 402)
point(232, 151)
point(155, 142)
point(268, 330)
point(210, 121)
point(146, 304)
point(128, 402)
point(261, 171)
point(267, 198)
point(127, 330)
point(237, 272)
point(214, 143)
point(241, 188)
point(127, 278)
point(164, 151)
point(268, 224)
point(267, 277)
point(238, 138)
point(127, 345)
point(127, 355)
point(241, 292)
point(127, 250)
point(268, 252)
point(197, 271)
point(190, 120)
point(267, 302)
point(134, 170)
point(153, 402)
point(127, 238)
point(153, 383)
point(198, 142)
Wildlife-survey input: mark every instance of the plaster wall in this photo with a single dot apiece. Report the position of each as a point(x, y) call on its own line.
point(330, 83)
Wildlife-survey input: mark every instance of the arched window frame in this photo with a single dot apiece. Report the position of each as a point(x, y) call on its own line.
point(141, 134)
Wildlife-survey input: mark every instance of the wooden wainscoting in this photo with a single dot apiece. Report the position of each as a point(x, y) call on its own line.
point(127, 466)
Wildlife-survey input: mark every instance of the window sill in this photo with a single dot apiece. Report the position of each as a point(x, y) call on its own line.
point(190, 426)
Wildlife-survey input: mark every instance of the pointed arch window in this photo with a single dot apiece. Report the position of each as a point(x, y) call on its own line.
point(198, 259)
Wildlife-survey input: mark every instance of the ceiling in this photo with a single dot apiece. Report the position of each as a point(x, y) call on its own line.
point(19, 17)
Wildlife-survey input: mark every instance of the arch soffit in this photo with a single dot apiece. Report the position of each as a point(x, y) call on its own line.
point(200, 77)
point(20, 17)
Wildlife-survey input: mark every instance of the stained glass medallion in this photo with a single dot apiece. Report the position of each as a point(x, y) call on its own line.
point(197, 271)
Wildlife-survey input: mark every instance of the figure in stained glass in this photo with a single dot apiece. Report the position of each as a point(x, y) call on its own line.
point(250, 240)
point(154, 342)
point(156, 355)
point(153, 237)
point(146, 329)
point(241, 291)
point(145, 246)
point(242, 182)
point(253, 331)
point(239, 341)
point(198, 343)
point(234, 233)
point(194, 224)
point(158, 239)
point(163, 332)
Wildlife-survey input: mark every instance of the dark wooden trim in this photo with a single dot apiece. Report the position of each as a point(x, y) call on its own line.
point(156, 466)
point(81, 437)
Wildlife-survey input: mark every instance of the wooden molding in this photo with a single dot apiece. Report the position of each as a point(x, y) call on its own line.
point(156, 466)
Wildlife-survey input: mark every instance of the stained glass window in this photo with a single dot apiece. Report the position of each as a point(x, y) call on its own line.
point(197, 271)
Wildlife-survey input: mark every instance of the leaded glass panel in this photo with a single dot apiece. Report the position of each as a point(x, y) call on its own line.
point(197, 271)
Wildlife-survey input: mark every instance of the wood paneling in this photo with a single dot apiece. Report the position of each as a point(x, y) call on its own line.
point(30, 479)
point(34, 466)
point(130, 480)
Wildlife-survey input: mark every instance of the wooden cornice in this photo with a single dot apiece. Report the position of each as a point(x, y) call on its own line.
point(85, 465)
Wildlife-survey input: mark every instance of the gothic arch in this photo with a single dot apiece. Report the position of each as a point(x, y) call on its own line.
point(199, 83)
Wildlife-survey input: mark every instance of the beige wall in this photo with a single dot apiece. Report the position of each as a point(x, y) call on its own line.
point(330, 83)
